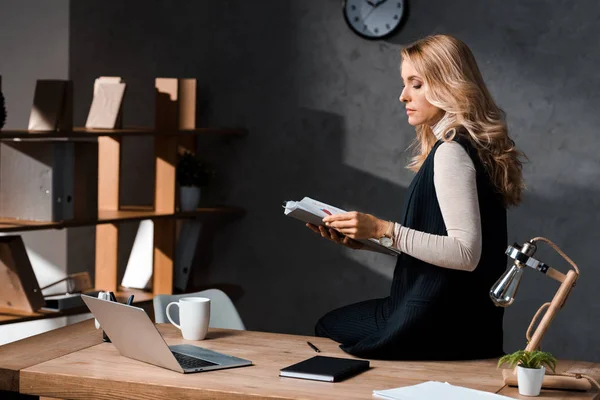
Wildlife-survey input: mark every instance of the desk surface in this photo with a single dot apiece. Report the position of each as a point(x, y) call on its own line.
point(72, 362)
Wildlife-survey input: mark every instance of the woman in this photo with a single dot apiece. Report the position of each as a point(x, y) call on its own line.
point(453, 230)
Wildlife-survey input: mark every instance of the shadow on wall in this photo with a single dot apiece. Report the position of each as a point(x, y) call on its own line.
point(290, 152)
point(177, 41)
point(293, 274)
point(257, 79)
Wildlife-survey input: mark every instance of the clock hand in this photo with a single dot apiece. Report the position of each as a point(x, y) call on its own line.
point(370, 12)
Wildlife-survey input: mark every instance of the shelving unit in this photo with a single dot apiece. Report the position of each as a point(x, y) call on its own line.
point(167, 144)
point(85, 133)
point(126, 214)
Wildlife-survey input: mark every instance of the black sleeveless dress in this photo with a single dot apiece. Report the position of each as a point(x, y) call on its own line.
point(432, 313)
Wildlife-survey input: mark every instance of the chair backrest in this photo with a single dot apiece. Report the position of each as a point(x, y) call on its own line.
point(223, 313)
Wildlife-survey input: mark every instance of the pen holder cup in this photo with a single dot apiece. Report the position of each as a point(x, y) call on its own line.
point(103, 296)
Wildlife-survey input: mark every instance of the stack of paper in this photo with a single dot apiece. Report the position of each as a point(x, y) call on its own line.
point(436, 390)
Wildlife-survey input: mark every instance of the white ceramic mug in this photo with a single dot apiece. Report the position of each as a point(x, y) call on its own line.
point(194, 315)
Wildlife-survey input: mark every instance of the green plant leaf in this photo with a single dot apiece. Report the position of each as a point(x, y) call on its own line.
point(529, 359)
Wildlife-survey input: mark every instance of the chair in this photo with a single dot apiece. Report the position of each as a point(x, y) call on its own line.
point(223, 313)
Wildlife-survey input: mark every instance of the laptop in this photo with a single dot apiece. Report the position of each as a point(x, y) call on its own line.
point(135, 336)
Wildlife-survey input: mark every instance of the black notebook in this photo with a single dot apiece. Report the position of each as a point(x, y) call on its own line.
point(329, 369)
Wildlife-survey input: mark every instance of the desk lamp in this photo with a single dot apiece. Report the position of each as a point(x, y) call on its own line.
point(503, 295)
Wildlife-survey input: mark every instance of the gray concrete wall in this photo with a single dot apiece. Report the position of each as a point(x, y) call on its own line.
point(321, 107)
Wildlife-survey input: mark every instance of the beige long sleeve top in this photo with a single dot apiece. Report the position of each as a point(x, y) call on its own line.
point(456, 190)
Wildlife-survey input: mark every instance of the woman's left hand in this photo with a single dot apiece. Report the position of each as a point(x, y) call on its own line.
point(357, 225)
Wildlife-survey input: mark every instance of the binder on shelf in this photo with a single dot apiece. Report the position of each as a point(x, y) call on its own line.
point(185, 250)
point(19, 288)
point(52, 108)
point(56, 180)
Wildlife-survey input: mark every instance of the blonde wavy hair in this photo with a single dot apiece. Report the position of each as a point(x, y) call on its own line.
point(454, 84)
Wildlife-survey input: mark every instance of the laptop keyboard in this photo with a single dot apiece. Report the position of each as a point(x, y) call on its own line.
point(191, 362)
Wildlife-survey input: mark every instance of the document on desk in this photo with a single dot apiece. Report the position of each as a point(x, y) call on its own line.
point(436, 390)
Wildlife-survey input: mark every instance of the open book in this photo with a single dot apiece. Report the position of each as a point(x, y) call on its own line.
point(313, 211)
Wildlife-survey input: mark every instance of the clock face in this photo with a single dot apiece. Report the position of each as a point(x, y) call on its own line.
point(373, 19)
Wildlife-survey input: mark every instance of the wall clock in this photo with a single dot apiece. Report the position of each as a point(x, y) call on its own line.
point(373, 19)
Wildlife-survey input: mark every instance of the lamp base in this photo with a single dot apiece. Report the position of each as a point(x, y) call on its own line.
point(556, 381)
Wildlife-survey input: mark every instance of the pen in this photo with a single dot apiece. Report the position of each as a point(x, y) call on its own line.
point(314, 347)
point(130, 300)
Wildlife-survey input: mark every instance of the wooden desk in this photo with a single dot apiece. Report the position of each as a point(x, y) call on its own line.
point(73, 363)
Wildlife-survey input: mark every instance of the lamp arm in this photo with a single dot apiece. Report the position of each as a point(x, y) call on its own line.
point(556, 275)
point(535, 317)
point(557, 302)
point(558, 250)
point(567, 283)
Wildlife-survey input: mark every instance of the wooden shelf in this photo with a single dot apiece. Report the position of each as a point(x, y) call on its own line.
point(84, 133)
point(140, 297)
point(97, 186)
point(126, 214)
point(168, 145)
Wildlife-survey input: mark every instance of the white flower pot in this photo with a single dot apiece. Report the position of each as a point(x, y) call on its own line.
point(189, 198)
point(530, 380)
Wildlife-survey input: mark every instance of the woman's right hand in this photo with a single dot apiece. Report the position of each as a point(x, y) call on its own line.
point(335, 236)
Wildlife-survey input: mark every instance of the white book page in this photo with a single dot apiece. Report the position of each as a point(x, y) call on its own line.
point(436, 390)
point(312, 206)
point(313, 211)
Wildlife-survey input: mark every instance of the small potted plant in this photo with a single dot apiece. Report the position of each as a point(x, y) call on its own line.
point(531, 368)
point(192, 174)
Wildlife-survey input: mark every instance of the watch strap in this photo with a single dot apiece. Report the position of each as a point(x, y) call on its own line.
point(390, 230)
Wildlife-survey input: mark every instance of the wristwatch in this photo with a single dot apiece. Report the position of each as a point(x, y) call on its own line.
point(387, 239)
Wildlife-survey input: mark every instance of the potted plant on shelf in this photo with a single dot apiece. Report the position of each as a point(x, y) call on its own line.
point(531, 368)
point(192, 174)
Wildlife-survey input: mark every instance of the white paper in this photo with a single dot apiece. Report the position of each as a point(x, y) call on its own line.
point(140, 265)
point(436, 390)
